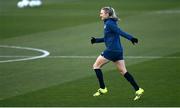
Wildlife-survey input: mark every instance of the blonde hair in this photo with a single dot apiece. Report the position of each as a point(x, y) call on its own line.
point(111, 12)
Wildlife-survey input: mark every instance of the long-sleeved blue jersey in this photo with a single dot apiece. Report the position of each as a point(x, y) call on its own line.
point(111, 36)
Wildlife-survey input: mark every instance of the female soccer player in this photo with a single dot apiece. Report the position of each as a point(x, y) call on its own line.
point(113, 51)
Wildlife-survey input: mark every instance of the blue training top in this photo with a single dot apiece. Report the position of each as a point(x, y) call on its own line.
point(111, 35)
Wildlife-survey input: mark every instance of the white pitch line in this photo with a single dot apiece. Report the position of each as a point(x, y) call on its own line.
point(128, 57)
point(167, 12)
point(44, 54)
point(152, 57)
point(92, 57)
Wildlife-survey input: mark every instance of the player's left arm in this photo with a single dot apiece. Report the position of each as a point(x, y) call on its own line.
point(116, 29)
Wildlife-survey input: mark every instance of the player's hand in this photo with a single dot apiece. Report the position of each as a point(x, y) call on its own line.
point(134, 41)
point(93, 40)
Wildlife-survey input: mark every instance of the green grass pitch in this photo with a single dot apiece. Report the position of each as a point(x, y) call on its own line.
point(64, 28)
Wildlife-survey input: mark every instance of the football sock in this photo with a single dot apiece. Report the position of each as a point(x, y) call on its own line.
point(99, 75)
point(130, 78)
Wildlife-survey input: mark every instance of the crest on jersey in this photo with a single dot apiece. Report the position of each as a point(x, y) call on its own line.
point(104, 26)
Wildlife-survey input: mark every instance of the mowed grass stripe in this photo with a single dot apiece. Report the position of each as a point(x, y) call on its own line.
point(151, 75)
point(56, 41)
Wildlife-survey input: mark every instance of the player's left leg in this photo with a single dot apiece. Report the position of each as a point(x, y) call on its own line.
point(122, 69)
point(100, 61)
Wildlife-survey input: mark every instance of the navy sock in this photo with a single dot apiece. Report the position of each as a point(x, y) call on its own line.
point(99, 75)
point(130, 78)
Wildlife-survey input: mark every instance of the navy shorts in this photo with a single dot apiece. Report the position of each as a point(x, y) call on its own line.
point(112, 55)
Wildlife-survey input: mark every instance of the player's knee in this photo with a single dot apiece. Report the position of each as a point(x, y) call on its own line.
point(95, 66)
point(122, 71)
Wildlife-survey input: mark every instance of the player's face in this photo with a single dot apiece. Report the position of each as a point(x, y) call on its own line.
point(103, 14)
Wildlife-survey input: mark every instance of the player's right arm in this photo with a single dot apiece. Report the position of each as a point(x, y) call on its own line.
point(96, 40)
